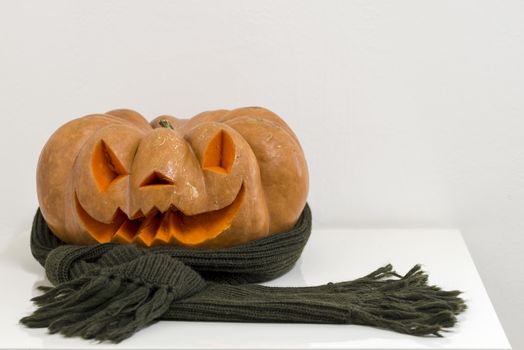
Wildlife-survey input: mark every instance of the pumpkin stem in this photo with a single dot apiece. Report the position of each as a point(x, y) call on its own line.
point(165, 124)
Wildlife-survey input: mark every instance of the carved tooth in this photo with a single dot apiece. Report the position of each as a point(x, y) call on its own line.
point(153, 211)
point(146, 231)
point(163, 207)
point(126, 232)
point(100, 231)
point(150, 210)
point(163, 233)
point(139, 214)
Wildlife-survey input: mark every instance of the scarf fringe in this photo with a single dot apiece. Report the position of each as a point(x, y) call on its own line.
point(111, 307)
point(405, 304)
point(105, 308)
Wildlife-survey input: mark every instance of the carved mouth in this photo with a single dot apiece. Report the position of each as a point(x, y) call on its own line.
point(170, 227)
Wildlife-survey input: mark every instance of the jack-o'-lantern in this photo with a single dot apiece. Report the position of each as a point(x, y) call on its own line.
point(219, 179)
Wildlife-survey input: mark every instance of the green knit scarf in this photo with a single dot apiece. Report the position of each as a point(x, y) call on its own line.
point(109, 291)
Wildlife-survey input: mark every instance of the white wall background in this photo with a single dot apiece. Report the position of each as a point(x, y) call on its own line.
point(411, 113)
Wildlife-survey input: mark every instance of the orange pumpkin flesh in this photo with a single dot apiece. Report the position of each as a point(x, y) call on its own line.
point(162, 228)
point(220, 154)
point(106, 167)
point(219, 179)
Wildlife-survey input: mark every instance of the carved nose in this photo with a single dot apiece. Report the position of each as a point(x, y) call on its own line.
point(165, 173)
point(157, 178)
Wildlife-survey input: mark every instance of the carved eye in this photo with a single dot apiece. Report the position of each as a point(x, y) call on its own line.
point(106, 167)
point(156, 178)
point(220, 154)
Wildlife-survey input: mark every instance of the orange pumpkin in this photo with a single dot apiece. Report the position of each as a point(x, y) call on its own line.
point(219, 179)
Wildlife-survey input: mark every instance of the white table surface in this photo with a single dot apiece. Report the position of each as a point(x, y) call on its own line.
point(331, 255)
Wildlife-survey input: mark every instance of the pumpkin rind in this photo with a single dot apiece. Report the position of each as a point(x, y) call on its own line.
point(219, 179)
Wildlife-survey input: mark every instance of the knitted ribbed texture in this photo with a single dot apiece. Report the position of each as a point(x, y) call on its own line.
point(110, 291)
point(256, 261)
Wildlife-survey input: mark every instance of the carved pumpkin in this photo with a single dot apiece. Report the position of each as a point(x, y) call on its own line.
point(218, 179)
